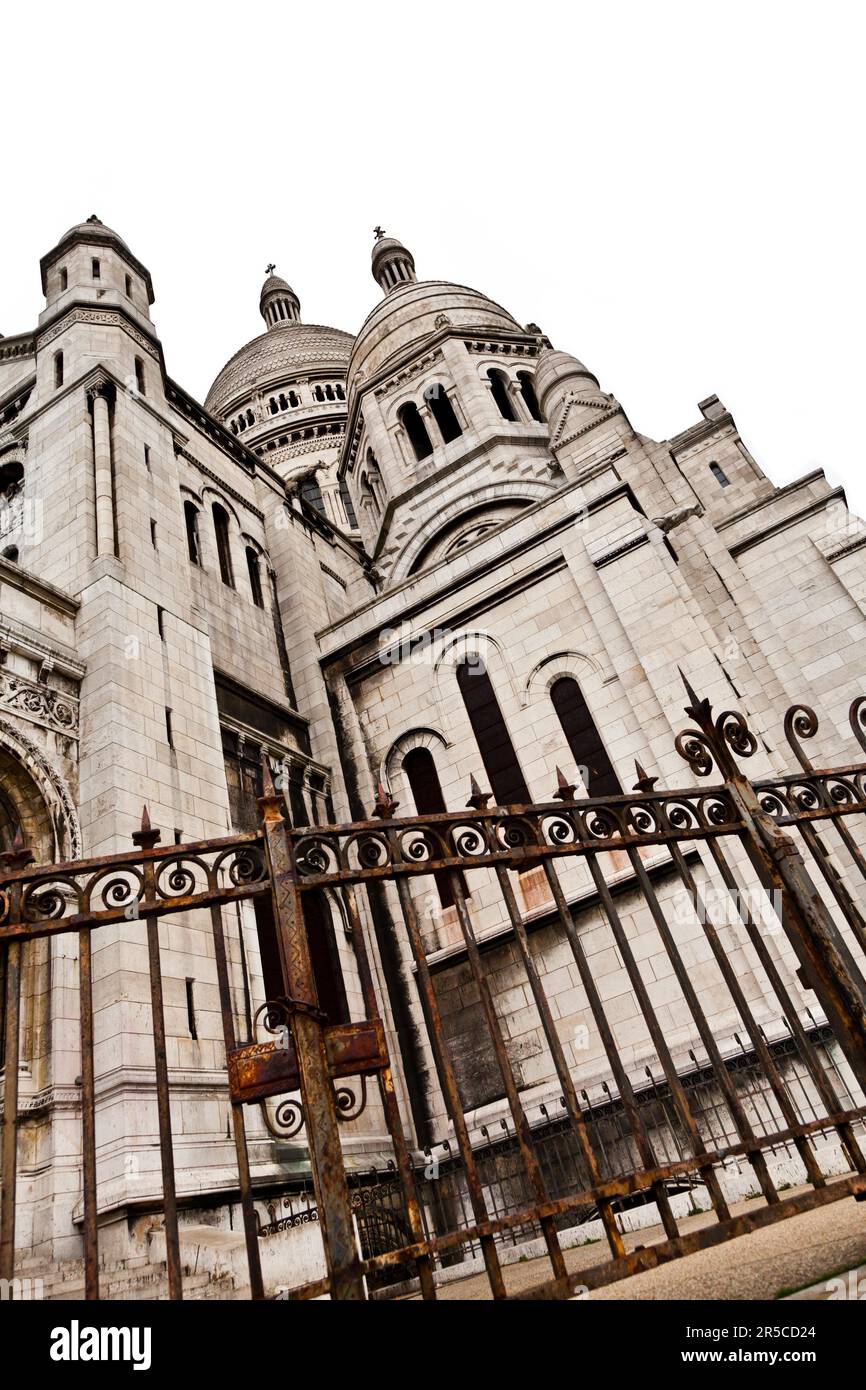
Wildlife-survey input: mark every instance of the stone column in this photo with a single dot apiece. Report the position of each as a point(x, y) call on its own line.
point(99, 399)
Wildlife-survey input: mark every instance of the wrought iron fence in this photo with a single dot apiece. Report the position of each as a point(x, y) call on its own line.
point(631, 1139)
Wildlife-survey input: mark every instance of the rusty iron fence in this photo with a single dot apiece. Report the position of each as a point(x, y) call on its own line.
point(638, 1139)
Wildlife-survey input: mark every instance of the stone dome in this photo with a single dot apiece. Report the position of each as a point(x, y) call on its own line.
point(92, 229)
point(559, 369)
point(416, 310)
point(284, 352)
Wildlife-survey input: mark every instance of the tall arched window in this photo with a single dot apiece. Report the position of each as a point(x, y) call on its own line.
point(491, 734)
point(312, 493)
point(583, 737)
point(346, 499)
point(499, 390)
point(324, 956)
point(58, 369)
point(421, 774)
point(224, 550)
point(720, 475)
point(527, 391)
point(255, 577)
point(416, 430)
point(190, 516)
point(140, 383)
point(443, 412)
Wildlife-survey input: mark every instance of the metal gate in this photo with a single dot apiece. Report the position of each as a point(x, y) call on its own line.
point(645, 1138)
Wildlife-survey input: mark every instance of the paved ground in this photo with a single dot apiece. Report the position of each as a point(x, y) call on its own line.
point(793, 1253)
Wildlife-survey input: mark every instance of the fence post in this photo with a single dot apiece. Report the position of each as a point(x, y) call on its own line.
point(308, 1034)
point(826, 964)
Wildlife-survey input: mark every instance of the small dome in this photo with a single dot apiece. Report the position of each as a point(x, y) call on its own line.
point(413, 311)
point(92, 229)
point(281, 354)
point(97, 234)
point(275, 282)
point(559, 369)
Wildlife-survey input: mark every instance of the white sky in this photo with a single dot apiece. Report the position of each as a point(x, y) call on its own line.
point(674, 192)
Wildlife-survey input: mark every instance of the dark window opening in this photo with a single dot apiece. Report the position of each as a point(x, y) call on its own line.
point(583, 738)
point(147, 457)
point(221, 527)
point(527, 391)
point(491, 734)
point(190, 513)
point(11, 553)
point(190, 1010)
point(720, 475)
point(312, 493)
point(95, 269)
point(443, 412)
point(64, 278)
point(169, 734)
point(178, 837)
point(58, 369)
point(255, 577)
point(160, 625)
point(153, 533)
point(421, 774)
point(416, 430)
point(324, 956)
point(347, 505)
point(129, 287)
point(139, 377)
point(499, 389)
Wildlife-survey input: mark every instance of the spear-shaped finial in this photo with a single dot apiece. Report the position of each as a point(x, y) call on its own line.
point(145, 837)
point(564, 789)
point(385, 804)
point(698, 709)
point(644, 782)
point(477, 798)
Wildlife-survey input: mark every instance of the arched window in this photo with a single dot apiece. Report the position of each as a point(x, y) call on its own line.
point(190, 516)
point(527, 391)
point(416, 430)
point(64, 278)
point(224, 551)
point(140, 384)
point(312, 493)
point(346, 498)
point(499, 389)
point(720, 475)
point(583, 737)
point(58, 369)
point(421, 774)
point(255, 577)
point(324, 956)
point(11, 553)
point(443, 412)
point(491, 734)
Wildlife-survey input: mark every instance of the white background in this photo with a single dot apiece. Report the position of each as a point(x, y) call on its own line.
point(674, 192)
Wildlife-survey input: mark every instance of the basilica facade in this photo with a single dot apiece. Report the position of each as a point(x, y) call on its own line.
point(390, 560)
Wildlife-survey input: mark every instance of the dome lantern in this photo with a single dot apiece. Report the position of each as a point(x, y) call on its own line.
point(392, 264)
point(278, 303)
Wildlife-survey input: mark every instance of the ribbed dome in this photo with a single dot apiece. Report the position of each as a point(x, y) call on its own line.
point(411, 312)
point(277, 356)
point(556, 369)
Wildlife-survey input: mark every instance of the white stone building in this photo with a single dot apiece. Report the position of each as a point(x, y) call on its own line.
point(432, 549)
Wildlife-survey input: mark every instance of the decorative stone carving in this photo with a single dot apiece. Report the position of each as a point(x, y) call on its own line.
point(671, 520)
point(38, 703)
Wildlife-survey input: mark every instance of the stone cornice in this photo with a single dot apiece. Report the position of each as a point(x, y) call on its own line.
point(817, 475)
point(785, 523)
point(697, 433)
point(47, 594)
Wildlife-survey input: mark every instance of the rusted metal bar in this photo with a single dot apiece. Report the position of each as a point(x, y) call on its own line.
point(802, 722)
point(608, 1041)
point(756, 1037)
point(704, 1160)
point(88, 1118)
point(557, 1053)
point(326, 1159)
point(248, 1211)
point(789, 1012)
point(147, 837)
point(390, 1106)
point(503, 1062)
point(10, 1112)
point(448, 1081)
point(741, 1120)
point(827, 964)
